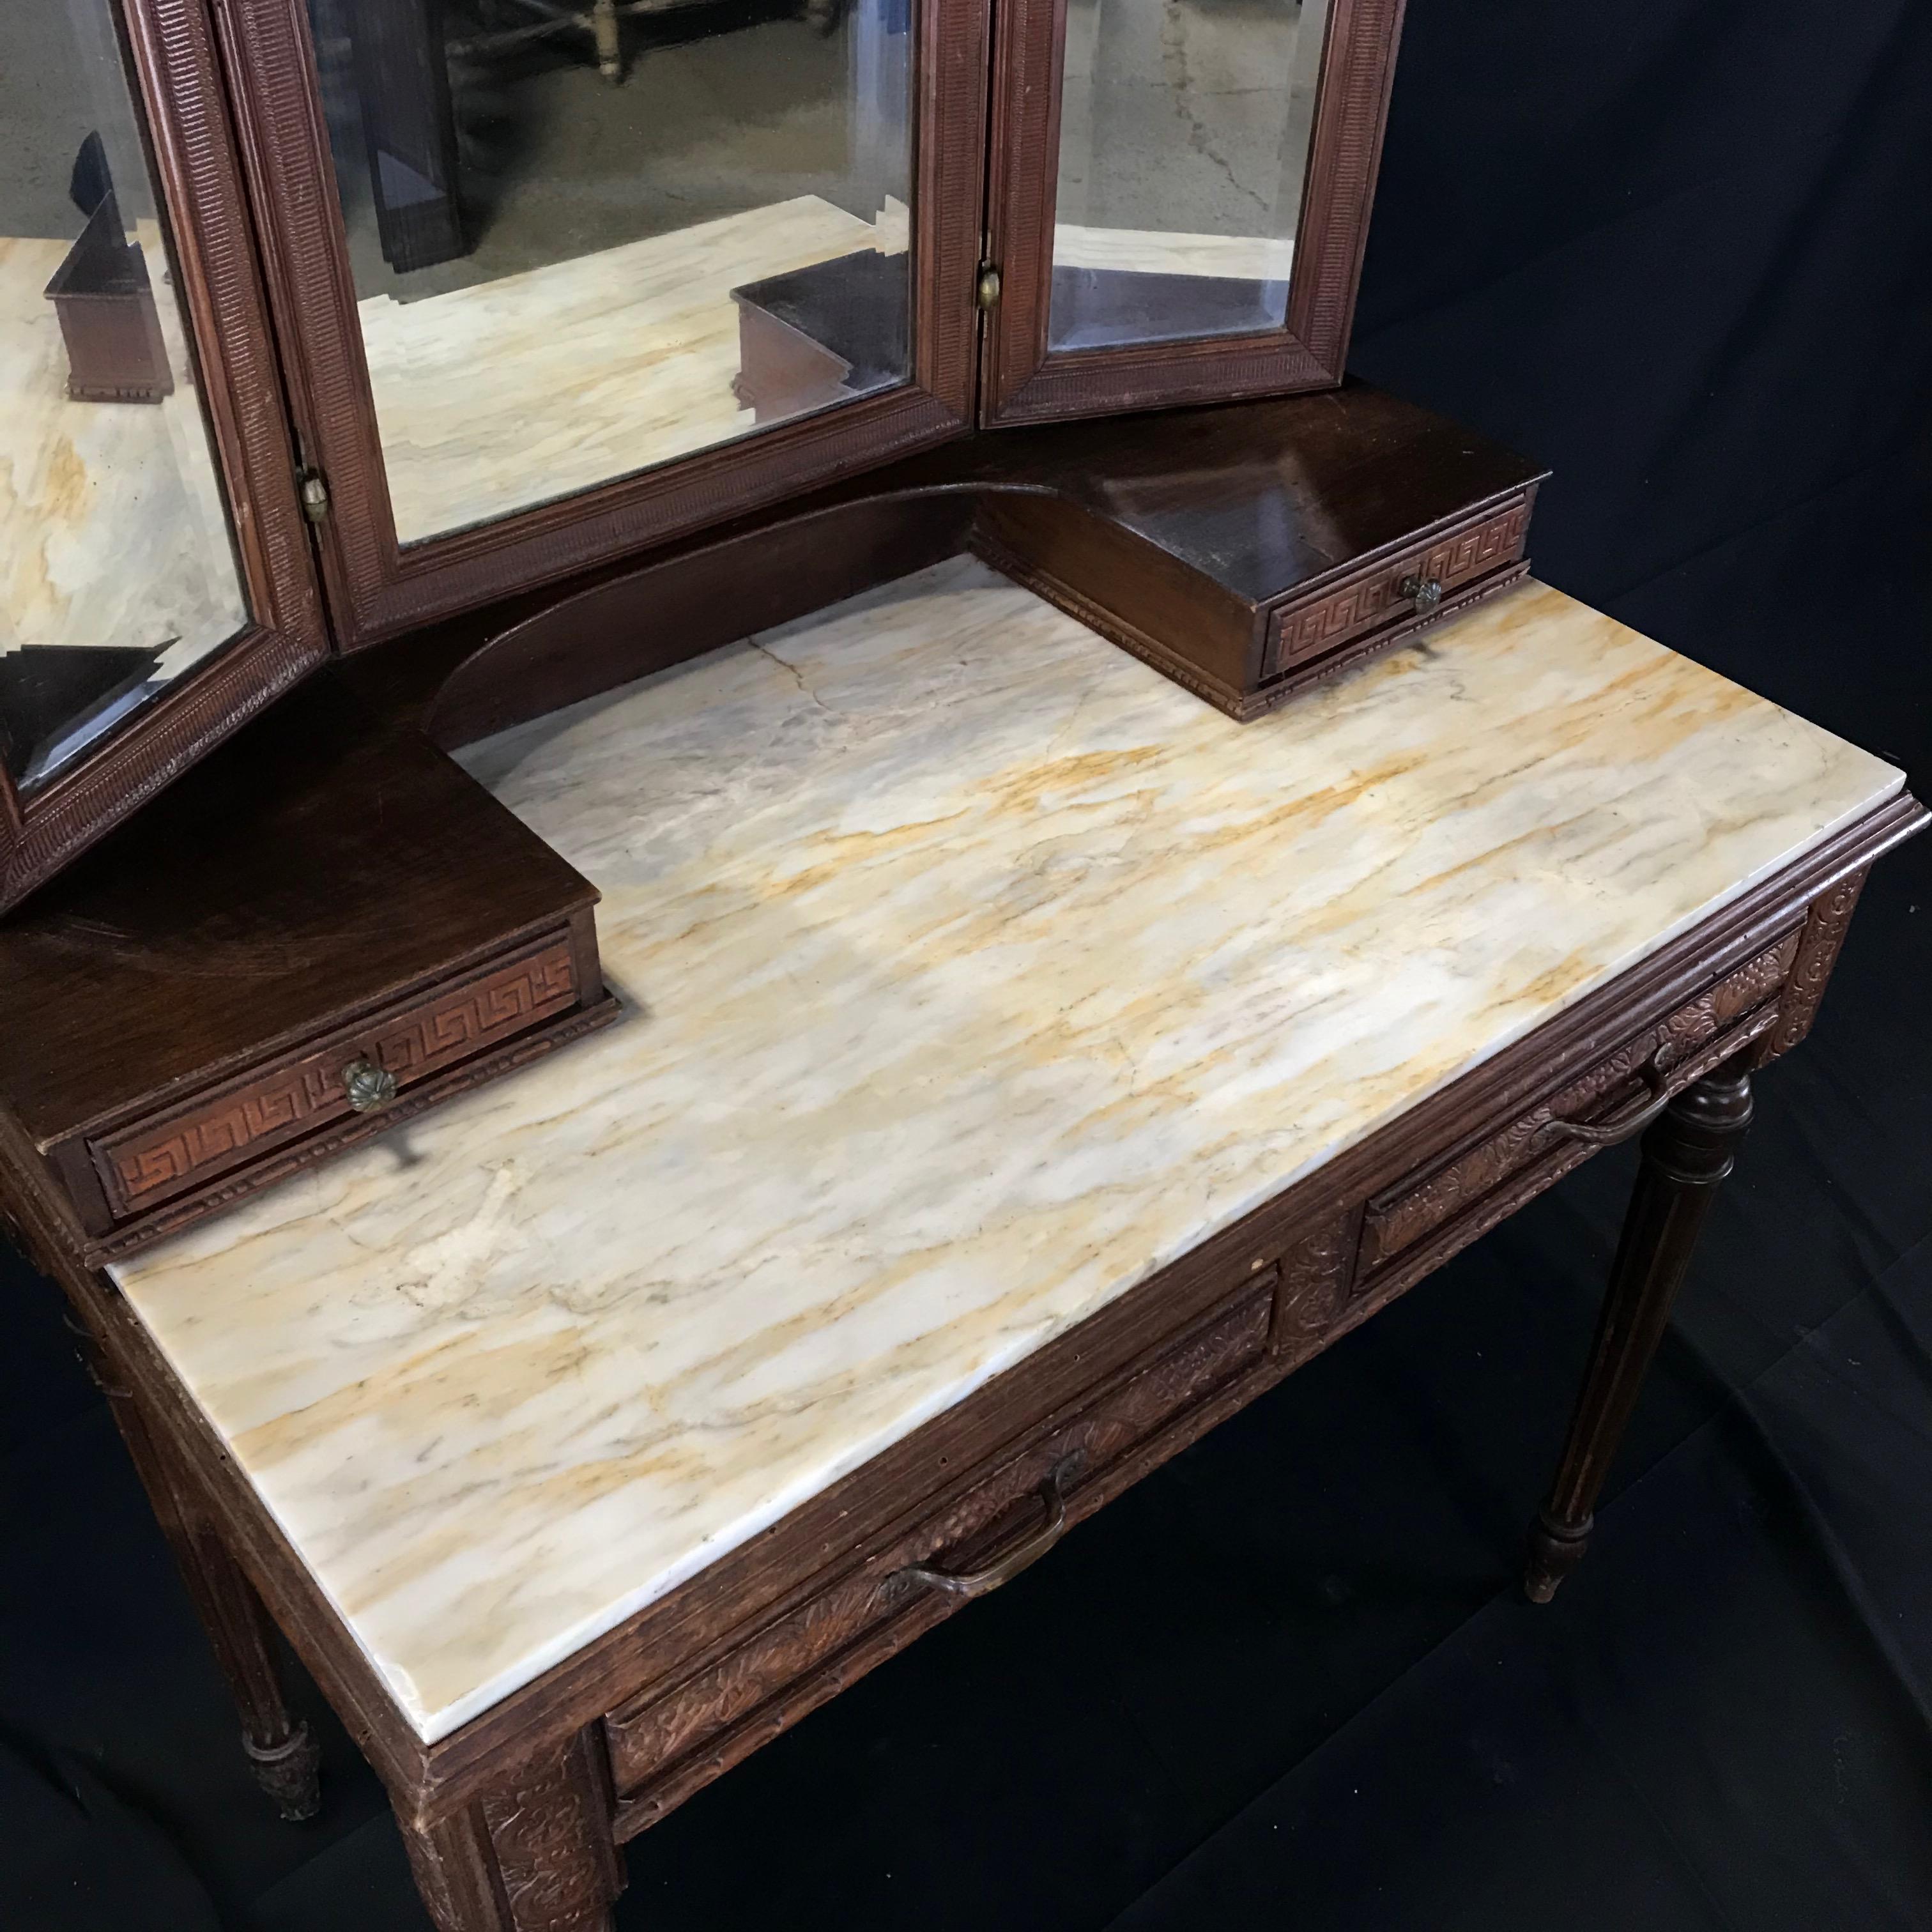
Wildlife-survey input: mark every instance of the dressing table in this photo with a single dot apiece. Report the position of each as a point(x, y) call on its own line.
point(602, 1423)
point(731, 920)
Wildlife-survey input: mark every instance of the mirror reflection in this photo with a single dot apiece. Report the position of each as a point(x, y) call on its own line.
point(1184, 135)
point(590, 238)
point(117, 571)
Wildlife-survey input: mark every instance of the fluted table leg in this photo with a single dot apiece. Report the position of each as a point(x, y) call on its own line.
point(1687, 1153)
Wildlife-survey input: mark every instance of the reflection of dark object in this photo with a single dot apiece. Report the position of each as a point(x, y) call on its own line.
point(48, 692)
point(1094, 308)
point(92, 181)
point(821, 335)
point(114, 352)
point(602, 23)
point(402, 81)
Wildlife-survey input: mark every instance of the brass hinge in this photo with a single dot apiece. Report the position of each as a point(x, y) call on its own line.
point(986, 289)
point(314, 494)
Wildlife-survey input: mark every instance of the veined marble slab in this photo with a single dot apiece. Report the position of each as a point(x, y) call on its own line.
point(515, 392)
point(111, 529)
point(974, 971)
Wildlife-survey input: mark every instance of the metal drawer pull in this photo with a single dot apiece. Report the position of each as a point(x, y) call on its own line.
point(1611, 1132)
point(369, 1088)
point(978, 1583)
point(1424, 592)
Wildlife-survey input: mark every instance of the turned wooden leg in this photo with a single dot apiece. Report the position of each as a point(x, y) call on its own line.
point(1686, 1153)
point(534, 1855)
point(283, 1755)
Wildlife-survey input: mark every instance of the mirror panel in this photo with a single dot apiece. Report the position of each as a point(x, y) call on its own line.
point(118, 569)
point(587, 241)
point(1184, 138)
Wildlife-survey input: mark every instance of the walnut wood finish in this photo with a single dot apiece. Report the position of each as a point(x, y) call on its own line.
point(376, 587)
point(1197, 540)
point(692, 1682)
point(1686, 1155)
point(171, 57)
point(1022, 382)
point(184, 1003)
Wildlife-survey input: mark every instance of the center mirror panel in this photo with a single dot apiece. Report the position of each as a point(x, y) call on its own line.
point(1184, 135)
point(587, 241)
point(118, 571)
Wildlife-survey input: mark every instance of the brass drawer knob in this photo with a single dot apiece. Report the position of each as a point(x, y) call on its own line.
point(369, 1088)
point(1424, 592)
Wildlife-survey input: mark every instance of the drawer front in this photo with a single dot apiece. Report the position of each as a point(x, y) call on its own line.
point(270, 1107)
point(1298, 632)
point(1418, 1206)
point(677, 1740)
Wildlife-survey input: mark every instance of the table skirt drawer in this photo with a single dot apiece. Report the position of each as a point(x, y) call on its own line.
point(357, 1070)
point(1398, 590)
point(1429, 1213)
point(668, 1743)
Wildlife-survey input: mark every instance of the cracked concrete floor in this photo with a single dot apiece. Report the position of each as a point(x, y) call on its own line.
point(1189, 116)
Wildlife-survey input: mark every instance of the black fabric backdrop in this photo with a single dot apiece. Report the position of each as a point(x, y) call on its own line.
point(1683, 251)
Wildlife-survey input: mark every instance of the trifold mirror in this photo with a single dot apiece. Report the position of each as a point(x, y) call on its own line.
point(557, 280)
point(142, 615)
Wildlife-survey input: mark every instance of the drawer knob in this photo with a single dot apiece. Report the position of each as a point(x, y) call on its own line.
point(1608, 1133)
point(369, 1088)
point(1424, 592)
point(978, 1583)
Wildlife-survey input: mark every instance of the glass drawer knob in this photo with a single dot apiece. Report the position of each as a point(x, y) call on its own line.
point(1424, 592)
point(369, 1088)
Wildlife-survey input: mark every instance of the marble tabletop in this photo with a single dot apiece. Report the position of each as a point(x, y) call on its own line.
point(972, 971)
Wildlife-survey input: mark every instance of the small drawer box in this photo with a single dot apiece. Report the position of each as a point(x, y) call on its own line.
point(326, 928)
point(309, 1089)
point(1423, 581)
point(1250, 553)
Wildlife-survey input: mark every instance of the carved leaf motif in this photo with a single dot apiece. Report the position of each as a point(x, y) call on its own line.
point(1823, 934)
point(551, 1838)
point(1313, 1285)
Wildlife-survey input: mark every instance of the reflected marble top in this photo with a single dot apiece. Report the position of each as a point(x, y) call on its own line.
point(974, 971)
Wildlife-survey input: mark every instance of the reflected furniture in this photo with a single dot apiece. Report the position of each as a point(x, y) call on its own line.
point(510, 1426)
point(101, 293)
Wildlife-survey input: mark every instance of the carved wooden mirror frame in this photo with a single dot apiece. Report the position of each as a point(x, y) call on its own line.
point(376, 585)
point(171, 56)
point(1022, 381)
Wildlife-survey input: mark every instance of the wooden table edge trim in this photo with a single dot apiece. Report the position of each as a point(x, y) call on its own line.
point(429, 1782)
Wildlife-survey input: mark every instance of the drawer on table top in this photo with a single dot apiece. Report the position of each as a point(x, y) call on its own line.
point(1437, 571)
point(322, 1083)
point(667, 1743)
point(1431, 1213)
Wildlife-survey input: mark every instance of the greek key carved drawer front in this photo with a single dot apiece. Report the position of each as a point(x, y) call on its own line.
point(1378, 597)
point(666, 1744)
point(1698, 1034)
point(269, 1108)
